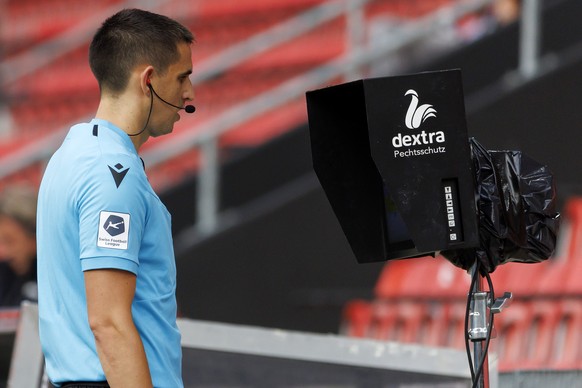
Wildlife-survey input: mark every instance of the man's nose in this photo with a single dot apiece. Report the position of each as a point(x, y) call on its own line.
point(189, 93)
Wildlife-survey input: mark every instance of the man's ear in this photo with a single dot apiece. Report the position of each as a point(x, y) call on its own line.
point(145, 79)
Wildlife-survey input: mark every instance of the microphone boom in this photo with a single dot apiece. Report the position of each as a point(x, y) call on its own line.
point(187, 108)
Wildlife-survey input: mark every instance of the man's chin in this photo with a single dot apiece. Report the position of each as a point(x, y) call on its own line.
point(161, 132)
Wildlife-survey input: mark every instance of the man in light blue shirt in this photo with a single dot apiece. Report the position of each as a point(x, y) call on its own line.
point(106, 267)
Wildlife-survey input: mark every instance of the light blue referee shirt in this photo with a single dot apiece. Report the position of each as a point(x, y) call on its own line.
point(97, 210)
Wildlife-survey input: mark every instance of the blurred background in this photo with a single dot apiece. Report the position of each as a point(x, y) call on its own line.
point(256, 240)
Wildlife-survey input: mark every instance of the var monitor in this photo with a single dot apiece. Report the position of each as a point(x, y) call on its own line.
point(393, 157)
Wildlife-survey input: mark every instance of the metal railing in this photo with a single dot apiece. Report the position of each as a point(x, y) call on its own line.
point(529, 39)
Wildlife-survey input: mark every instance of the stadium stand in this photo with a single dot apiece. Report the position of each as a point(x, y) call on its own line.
point(424, 301)
point(540, 330)
point(64, 91)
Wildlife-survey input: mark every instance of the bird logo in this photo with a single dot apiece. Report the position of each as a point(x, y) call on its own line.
point(416, 115)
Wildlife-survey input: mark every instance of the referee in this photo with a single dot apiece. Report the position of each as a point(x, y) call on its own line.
point(106, 266)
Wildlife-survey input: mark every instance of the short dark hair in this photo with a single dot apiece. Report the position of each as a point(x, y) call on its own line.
point(132, 37)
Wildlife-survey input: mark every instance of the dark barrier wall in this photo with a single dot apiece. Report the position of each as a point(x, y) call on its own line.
point(291, 268)
point(543, 119)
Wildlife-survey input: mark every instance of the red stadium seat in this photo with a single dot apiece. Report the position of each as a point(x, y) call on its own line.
point(512, 328)
point(422, 277)
point(357, 316)
point(402, 321)
point(567, 350)
point(519, 278)
point(573, 213)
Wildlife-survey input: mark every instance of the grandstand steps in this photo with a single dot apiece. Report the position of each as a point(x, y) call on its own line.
point(64, 91)
point(41, 20)
point(284, 238)
point(278, 232)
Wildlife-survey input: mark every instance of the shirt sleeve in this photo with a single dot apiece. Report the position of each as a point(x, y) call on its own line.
point(112, 216)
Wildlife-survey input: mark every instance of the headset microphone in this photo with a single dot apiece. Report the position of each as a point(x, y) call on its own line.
point(187, 108)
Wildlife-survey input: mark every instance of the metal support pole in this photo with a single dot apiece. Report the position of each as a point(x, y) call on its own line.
point(356, 35)
point(208, 182)
point(529, 50)
point(478, 328)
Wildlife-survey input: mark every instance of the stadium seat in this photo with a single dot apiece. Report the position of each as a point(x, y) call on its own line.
point(567, 349)
point(357, 315)
point(540, 334)
point(573, 213)
point(402, 321)
point(425, 277)
point(512, 327)
point(519, 278)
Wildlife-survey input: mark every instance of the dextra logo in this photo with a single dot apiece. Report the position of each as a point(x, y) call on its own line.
point(423, 142)
point(417, 115)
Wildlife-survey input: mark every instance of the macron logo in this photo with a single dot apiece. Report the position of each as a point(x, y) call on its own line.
point(417, 115)
point(118, 173)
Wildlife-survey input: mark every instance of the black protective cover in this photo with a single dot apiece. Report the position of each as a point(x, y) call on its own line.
point(518, 221)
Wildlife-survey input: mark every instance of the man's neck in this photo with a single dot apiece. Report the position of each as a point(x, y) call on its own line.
point(125, 117)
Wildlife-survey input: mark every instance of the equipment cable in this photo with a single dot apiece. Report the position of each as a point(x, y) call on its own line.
point(149, 115)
